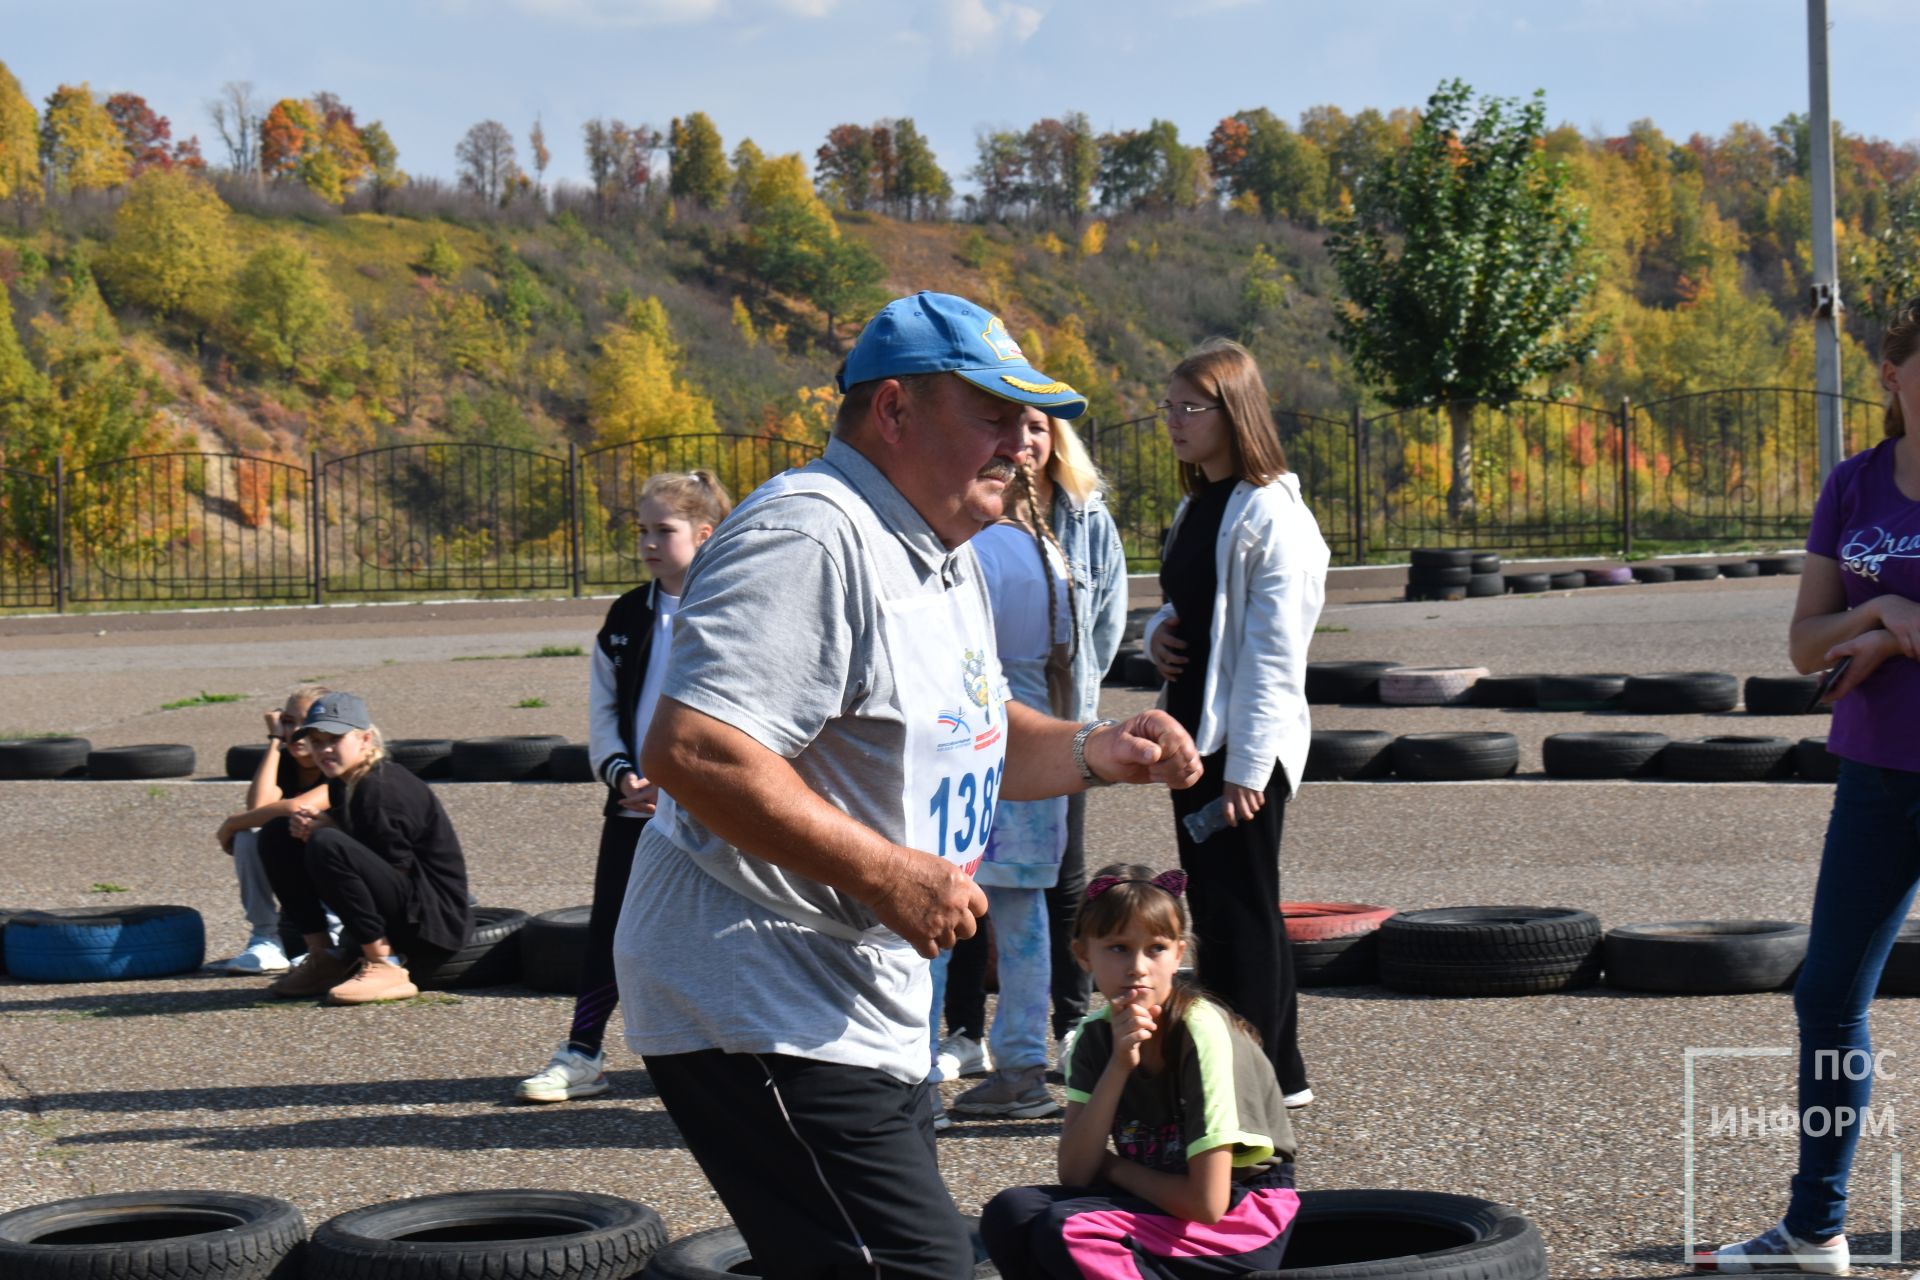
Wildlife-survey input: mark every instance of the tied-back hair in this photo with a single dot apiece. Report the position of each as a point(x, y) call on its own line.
point(376, 752)
point(1224, 370)
point(1137, 899)
point(308, 693)
point(1069, 466)
point(1902, 340)
point(1059, 656)
point(697, 497)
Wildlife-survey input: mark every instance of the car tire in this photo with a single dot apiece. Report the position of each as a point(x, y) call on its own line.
point(1490, 951)
point(430, 759)
point(1442, 558)
point(244, 760)
point(1527, 584)
point(1484, 562)
point(1506, 691)
point(1704, 957)
point(1780, 566)
point(1695, 572)
point(1581, 692)
point(1780, 695)
point(720, 1253)
point(1727, 758)
point(1450, 576)
point(1594, 756)
point(1667, 693)
point(1409, 1235)
point(1901, 977)
point(1342, 755)
point(154, 1235)
point(1350, 961)
point(40, 759)
point(1337, 682)
point(1739, 569)
point(571, 762)
point(1651, 572)
point(1142, 674)
point(1613, 575)
point(1483, 585)
point(553, 950)
point(1813, 762)
point(1428, 686)
point(1313, 921)
point(148, 760)
point(515, 758)
point(1566, 580)
point(88, 945)
point(1455, 757)
point(502, 1235)
point(491, 957)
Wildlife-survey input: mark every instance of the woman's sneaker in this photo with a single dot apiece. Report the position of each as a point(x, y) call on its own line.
point(1777, 1250)
point(571, 1074)
point(376, 980)
point(1019, 1093)
point(313, 977)
point(961, 1055)
point(262, 955)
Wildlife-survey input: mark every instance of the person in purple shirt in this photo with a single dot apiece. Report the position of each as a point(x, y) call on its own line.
point(1859, 599)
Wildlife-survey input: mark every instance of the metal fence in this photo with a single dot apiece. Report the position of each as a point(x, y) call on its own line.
point(200, 527)
point(1544, 478)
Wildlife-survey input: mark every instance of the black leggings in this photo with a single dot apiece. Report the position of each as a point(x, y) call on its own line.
point(373, 898)
point(1233, 893)
point(593, 1008)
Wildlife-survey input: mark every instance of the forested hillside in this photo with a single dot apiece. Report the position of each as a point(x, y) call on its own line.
point(290, 288)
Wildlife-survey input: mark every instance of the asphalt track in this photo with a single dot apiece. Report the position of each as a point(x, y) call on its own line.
point(1571, 1107)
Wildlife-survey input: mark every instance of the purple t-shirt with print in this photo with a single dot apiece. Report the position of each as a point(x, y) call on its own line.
point(1873, 530)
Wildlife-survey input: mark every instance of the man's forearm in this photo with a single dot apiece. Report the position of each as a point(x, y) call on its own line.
point(1039, 756)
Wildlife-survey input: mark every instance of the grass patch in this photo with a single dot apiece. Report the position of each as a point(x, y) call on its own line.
point(544, 651)
point(108, 886)
point(22, 735)
point(203, 699)
point(1329, 631)
point(528, 704)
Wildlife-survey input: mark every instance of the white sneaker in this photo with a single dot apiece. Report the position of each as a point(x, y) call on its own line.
point(262, 955)
point(961, 1055)
point(571, 1074)
point(1295, 1101)
point(941, 1120)
point(1777, 1250)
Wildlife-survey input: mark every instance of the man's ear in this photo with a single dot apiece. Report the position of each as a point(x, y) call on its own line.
point(890, 402)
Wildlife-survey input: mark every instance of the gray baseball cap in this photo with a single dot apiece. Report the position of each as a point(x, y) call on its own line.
point(335, 713)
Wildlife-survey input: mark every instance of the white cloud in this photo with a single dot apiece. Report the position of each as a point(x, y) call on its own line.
point(665, 13)
point(972, 25)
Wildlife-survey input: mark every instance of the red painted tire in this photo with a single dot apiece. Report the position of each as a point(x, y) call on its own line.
point(1310, 920)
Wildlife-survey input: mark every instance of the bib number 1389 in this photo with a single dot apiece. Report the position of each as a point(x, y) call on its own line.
point(963, 809)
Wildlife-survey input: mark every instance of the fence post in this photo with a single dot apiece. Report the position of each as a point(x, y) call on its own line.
point(59, 535)
point(1359, 488)
point(1626, 476)
point(316, 538)
point(575, 534)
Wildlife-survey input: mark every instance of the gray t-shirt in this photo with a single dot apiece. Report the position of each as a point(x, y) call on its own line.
point(779, 636)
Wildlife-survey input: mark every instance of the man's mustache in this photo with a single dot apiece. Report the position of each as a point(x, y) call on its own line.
point(999, 469)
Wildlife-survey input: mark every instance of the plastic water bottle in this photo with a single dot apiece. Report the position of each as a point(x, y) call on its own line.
point(1205, 823)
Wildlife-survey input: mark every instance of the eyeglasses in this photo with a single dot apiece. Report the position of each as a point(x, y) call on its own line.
point(1181, 412)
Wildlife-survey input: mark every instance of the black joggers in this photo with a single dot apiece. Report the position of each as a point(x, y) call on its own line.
point(827, 1169)
point(1233, 897)
point(373, 898)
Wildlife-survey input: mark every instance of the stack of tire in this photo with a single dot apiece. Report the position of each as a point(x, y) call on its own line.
point(36, 759)
point(1454, 573)
point(1334, 944)
point(1490, 951)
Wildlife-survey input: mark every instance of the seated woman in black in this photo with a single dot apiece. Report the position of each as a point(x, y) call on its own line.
point(383, 856)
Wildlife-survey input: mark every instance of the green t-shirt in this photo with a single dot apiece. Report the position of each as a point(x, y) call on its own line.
point(1226, 1096)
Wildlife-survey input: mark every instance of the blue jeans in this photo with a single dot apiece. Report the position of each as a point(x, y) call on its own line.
point(1868, 872)
point(1019, 1033)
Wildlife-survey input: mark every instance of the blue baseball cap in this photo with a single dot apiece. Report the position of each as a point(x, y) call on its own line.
point(335, 713)
point(940, 333)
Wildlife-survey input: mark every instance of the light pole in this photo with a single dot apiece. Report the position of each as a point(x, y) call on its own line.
point(1827, 309)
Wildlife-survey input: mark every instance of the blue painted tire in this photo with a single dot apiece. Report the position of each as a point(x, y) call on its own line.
point(87, 945)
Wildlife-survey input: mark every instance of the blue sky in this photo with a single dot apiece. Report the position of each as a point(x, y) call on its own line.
point(784, 71)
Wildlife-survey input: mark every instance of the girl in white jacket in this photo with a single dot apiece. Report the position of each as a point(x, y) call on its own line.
point(1244, 575)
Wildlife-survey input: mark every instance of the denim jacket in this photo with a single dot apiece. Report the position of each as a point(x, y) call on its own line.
point(1091, 540)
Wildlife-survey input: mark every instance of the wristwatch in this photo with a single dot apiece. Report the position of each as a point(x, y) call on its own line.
point(1080, 752)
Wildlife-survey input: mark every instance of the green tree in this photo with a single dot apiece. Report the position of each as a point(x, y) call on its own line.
point(1463, 267)
point(634, 389)
point(698, 162)
point(845, 281)
point(171, 250)
point(383, 163)
point(81, 148)
point(441, 260)
point(19, 142)
point(747, 158)
point(788, 229)
point(286, 316)
point(1254, 154)
point(921, 186)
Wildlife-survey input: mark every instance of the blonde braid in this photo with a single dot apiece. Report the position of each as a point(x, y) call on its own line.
point(1059, 669)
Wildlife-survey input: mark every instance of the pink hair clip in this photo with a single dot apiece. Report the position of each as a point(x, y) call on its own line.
point(1173, 882)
